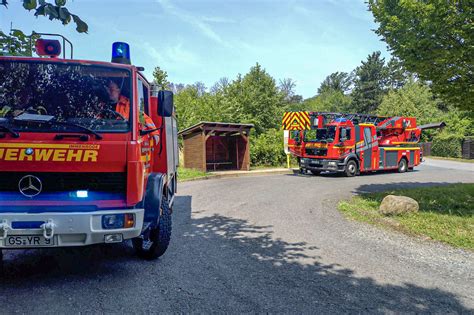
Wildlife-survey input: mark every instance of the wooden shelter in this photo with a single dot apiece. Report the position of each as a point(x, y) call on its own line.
point(212, 146)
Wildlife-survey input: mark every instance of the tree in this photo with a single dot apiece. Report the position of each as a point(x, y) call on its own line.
point(339, 81)
point(56, 11)
point(413, 99)
point(369, 84)
point(256, 99)
point(433, 39)
point(397, 75)
point(17, 43)
point(160, 78)
point(287, 88)
point(330, 100)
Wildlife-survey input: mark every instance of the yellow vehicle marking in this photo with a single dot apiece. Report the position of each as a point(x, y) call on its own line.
point(398, 149)
point(44, 152)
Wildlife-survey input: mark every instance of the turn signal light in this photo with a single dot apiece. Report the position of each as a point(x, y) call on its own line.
point(129, 220)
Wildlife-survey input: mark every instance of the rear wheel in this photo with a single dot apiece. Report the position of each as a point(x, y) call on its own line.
point(402, 166)
point(157, 242)
point(351, 168)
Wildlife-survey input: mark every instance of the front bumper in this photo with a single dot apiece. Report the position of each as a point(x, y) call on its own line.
point(322, 165)
point(69, 228)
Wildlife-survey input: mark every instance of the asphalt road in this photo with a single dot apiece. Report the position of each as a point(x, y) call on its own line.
point(258, 244)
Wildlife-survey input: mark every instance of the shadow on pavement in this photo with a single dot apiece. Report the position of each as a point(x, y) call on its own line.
point(215, 263)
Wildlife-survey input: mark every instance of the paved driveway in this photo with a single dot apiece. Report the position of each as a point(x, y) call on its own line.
point(258, 244)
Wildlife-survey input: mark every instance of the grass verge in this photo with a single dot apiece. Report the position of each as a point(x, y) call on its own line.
point(446, 213)
point(450, 159)
point(185, 174)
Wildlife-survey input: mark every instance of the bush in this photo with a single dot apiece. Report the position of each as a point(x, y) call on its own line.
point(267, 149)
point(447, 145)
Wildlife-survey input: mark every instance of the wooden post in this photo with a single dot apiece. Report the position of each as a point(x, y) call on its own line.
point(237, 149)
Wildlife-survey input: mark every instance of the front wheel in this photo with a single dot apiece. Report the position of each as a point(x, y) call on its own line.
point(351, 168)
point(402, 166)
point(316, 172)
point(159, 237)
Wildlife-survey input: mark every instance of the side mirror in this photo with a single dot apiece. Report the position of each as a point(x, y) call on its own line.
point(165, 103)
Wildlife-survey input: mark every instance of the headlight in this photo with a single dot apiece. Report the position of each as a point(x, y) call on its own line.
point(332, 163)
point(303, 160)
point(118, 221)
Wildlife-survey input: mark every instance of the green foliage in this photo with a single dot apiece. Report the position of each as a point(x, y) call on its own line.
point(267, 149)
point(433, 39)
point(339, 81)
point(160, 78)
point(330, 100)
point(17, 43)
point(447, 145)
point(369, 84)
point(256, 99)
point(252, 98)
point(446, 213)
point(415, 99)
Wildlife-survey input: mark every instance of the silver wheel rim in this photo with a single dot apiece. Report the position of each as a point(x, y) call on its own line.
point(402, 168)
point(351, 168)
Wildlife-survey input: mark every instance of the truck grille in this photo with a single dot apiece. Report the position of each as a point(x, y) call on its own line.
point(317, 152)
point(110, 182)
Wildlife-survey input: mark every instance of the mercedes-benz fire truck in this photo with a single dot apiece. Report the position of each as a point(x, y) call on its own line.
point(353, 143)
point(88, 153)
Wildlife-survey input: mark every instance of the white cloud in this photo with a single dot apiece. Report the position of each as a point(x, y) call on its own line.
point(200, 23)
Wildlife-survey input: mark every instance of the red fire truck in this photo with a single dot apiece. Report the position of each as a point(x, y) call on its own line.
point(354, 143)
point(88, 153)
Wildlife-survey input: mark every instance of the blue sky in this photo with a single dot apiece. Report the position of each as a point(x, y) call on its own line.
point(204, 40)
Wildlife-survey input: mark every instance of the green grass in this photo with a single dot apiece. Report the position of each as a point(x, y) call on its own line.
point(189, 173)
point(449, 158)
point(446, 213)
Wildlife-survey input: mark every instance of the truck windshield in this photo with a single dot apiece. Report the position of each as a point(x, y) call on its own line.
point(94, 97)
point(320, 134)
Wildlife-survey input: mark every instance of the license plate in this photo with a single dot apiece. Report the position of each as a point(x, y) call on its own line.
point(28, 241)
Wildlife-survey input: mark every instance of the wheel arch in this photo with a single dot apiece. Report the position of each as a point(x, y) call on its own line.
point(154, 192)
point(354, 157)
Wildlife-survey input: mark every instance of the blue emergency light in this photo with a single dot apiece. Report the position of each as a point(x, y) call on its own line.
point(121, 53)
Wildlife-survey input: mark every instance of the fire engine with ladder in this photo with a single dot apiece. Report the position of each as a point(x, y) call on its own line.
point(88, 152)
point(353, 143)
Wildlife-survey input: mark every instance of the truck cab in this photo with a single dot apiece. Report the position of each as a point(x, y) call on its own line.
point(88, 154)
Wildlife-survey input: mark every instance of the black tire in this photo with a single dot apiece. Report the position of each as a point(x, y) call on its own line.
point(302, 171)
point(159, 236)
point(315, 172)
point(402, 166)
point(351, 168)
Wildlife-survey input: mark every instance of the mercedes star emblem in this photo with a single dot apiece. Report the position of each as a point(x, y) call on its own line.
point(29, 151)
point(30, 186)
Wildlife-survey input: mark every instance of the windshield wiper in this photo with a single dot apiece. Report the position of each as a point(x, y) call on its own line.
point(50, 120)
point(11, 131)
point(84, 129)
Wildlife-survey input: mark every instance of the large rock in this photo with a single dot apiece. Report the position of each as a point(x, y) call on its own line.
point(394, 205)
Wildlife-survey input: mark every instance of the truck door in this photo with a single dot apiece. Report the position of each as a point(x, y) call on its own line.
point(146, 141)
point(367, 148)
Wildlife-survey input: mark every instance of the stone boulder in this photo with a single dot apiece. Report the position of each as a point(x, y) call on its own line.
point(395, 205)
